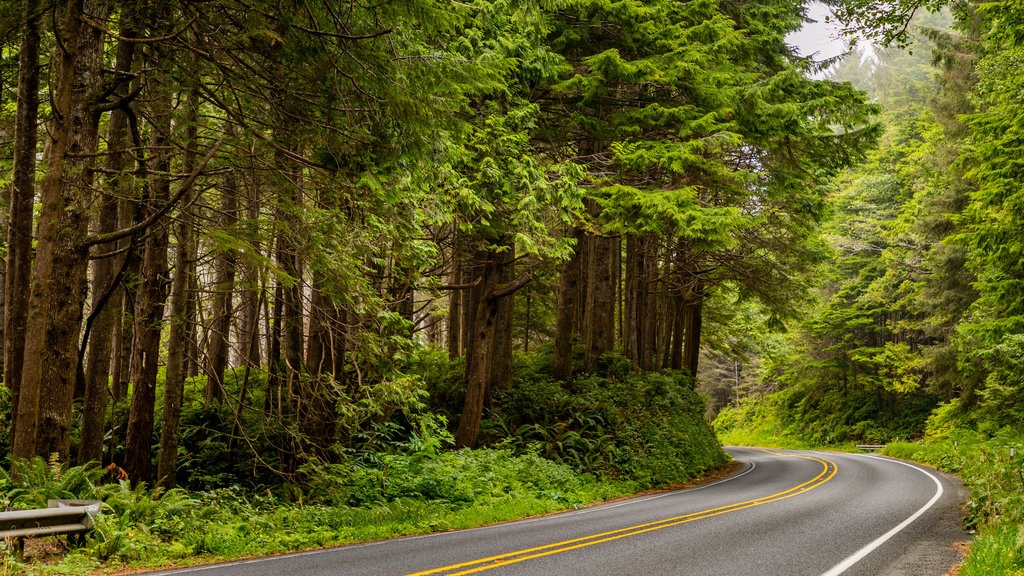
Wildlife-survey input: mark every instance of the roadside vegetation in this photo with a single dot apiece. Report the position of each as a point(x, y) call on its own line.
point(548, 447)
point(988, 460)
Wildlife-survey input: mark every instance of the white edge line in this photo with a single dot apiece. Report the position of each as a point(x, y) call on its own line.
point(637, 500)
point(860, 554)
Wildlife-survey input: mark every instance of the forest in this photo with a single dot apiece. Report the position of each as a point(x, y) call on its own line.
point(369, 269)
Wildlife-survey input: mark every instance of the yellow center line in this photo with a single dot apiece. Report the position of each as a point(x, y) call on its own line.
point(829, 470)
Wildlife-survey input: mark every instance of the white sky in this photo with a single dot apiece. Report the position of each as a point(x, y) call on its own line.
point(818, 38)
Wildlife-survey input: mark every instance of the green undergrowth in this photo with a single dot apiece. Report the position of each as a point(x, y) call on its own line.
point(757, 422)
point(992, 468)
point(141, 527)
point(547, 445)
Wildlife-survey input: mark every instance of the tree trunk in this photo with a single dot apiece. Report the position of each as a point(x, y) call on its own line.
point(480, 351)
point(174, 380)
point(694, 319)
point(640, 323)
point(486, 295)
point(632, 301)
point(59, 278)
point(601, 297)
point(274, 402)
point(316, 419)
point(292, 329)
point(224, 286)
point(455, 300)
point(19, 231)
point(649, 320)
point(569, 302)
point(501, 368)
point(249, 294)
point(149, 306)
point(184, 258)
point(319, 349)
point(677, 319)
point(121, 345)
point(106, 295)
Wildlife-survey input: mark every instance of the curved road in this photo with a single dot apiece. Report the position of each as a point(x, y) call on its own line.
point(783, 513)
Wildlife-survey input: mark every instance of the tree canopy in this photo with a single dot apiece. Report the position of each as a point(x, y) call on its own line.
point(253, 210)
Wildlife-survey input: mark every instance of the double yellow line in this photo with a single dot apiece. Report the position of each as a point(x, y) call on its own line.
point(828, 471)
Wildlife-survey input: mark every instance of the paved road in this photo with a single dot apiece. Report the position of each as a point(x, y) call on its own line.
point(783, 513)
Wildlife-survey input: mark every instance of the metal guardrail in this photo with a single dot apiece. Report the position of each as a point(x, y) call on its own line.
point(870, 447)
point(59, 517)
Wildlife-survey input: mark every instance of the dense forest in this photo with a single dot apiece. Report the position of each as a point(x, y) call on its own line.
point(337, 253)
point(284, 212)
point(913, 333)
point(919, 304)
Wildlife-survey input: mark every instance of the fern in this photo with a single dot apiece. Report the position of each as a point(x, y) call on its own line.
point(34, 481)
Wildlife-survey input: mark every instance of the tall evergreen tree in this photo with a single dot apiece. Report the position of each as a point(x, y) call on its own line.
point(704, 141)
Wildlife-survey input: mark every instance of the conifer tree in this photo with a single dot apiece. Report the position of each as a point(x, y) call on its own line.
point(704, 141)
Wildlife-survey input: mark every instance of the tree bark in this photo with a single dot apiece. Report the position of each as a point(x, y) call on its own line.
point(649, 320)
point(19, 231)
point(59, 278)
point(487, 296)
point(569, 302)
point(316, 419)
point(174, 380)
point(150, 302)
point(218, 350)
point(601, 297)
point(640, 317)
point(184, 269)
point(455, 298)
point(501, 368)
point(106, 295)
point(675, 360)
point(632, 303)
point(480, 351)
point(249, 294)
point(694, 320)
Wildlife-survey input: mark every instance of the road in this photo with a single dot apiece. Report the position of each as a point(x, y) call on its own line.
point(782, 513)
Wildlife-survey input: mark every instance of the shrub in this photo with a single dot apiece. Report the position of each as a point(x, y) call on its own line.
point(647, 428)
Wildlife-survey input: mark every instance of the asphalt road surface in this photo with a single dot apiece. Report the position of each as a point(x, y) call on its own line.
point(782, 513)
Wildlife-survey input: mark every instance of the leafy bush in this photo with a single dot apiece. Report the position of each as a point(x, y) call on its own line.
point(647, 428)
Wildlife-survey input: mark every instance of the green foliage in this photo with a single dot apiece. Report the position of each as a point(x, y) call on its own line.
point(452, 479)
point(1001, 400)
point(996, 550)
point(646, 428)
point(759, 421)
point(416, 490)
point(888, 23)
point(30, 483)
point(988, 338)
point(135, 522)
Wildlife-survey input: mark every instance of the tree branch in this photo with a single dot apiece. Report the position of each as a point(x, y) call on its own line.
point(511, 288)
point(95, 239)
point(128, 40)
point(457, 287)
